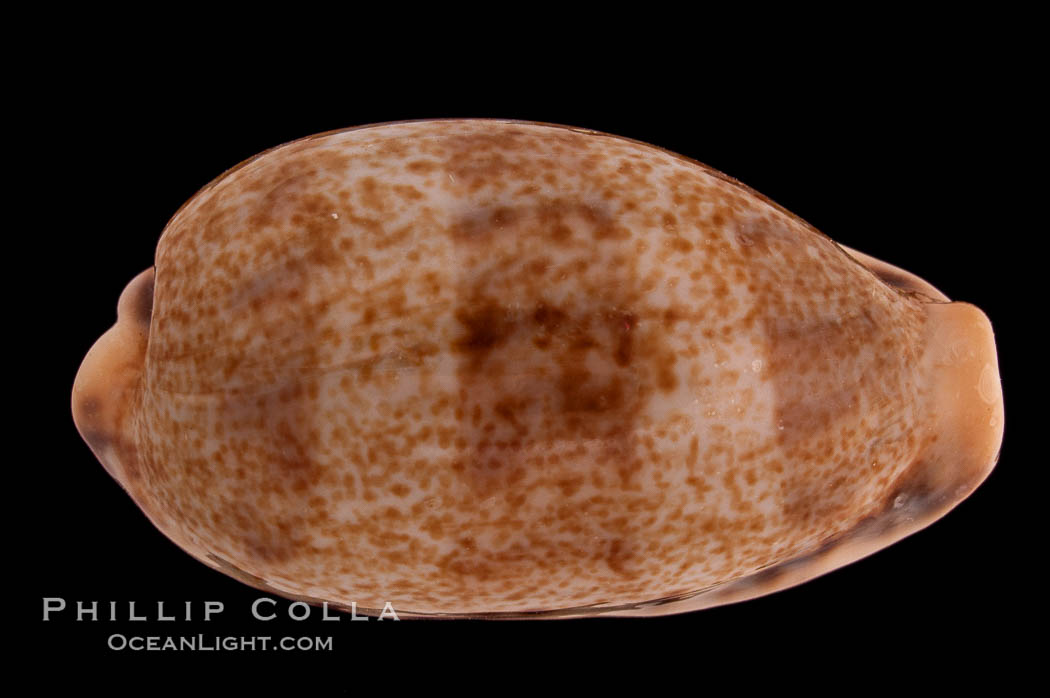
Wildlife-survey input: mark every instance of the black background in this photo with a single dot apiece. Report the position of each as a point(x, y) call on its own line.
point(903, 161)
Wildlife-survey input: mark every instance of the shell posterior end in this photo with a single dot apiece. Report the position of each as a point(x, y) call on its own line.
point(965, 405)
point(104, 388)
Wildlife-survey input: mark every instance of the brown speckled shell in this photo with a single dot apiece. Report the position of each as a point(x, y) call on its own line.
point(483, 367)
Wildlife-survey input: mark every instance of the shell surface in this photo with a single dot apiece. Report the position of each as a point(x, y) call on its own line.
point(479, 367)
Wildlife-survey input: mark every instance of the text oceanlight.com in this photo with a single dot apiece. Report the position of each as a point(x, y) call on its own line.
point(215, 643)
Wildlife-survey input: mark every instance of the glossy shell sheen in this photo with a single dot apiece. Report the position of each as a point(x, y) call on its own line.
point(479, 367)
